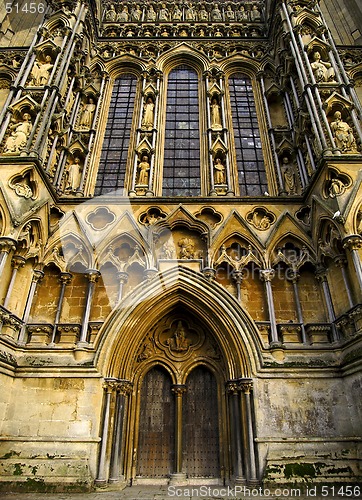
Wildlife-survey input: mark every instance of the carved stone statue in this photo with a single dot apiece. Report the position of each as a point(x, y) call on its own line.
point(229, 14)
point(242, 14)
point(203, 14)
point(151, 14)
point(41, 71)
point(144, 169)
point(343, 134)
point(322, 70)
point(123, 16)
point(136, 13)
point(73, 175)
point(111, 14)
point(288, 172)
point(164, 14)
point(178, 342)
point(216, 14)
point(215, 115)
point(148, 113)
point(177, 14)
point(168, 250)
point(190, 14)
point(187, 248)
point(20, 132)
point(86, 117)
point(219, 176)
point(336, 187)
point(255, 14)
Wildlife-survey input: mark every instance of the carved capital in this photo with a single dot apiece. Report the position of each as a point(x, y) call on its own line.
point(17, 261)
point(232, 387)
point(92, 275)
point(352, 242)
point(178, 389)
point(65, 278)
point(321, 274)
point(267, 274)
point(124, 387)
point(7, 244)
point(245, 385)
point(123, 277)
point(110, 384)
point(37, 276)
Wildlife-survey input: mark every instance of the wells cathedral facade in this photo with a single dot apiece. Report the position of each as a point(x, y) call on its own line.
point(180, 243)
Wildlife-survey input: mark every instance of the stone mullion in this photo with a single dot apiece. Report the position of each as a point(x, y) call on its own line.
point(267, 275)
point(123, 278)
point(37, 277)
point(230, 191)
point(6, 246)
point(353, 243)
point(17, 262)
point(294, 279)
point(236, 437)
point(65, 279)
point(209, 135)
point(110, 384)
point(271, 133)
point(341, 262)
point(124, 388)
point(321, 276)
point(245, 386)
point(178, 391)
point(92, 275)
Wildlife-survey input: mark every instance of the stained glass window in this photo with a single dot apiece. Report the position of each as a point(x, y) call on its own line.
point(112, 165)
point(249, 155)
point(181, 168)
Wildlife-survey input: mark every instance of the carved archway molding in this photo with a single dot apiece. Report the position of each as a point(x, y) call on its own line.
point(126, 329)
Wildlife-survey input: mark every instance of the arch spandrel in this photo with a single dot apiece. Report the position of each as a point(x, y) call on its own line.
point(127, 328)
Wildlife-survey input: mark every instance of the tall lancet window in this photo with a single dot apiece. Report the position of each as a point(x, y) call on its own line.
point(112, 164)
point(181, 168)
point(249, 155)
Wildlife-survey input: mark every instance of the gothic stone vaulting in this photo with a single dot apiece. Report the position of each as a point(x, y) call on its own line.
point(180, 243)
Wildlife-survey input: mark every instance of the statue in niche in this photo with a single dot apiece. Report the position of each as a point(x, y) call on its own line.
point(123, 16)
point(164, 14)
point(73, 175)
point(20, 132)
point(178, 342)
point(203, 14)
point(190, 13)
point(242, 14)
point(148, 113)
point(151, 14)
point(219, 176)
point(187, 248)
point(215, 115)
point(111, 14)
point(288, 172)
point(216, 14)
point(177, 14)
point(143, 171)
point(322, 70)
point(343, 134)
point(255, 14)
point(86, 117)
point(136, 13)
point(41, 71)
point(229, 14)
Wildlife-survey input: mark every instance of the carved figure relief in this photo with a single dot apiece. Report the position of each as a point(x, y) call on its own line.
point(24, 186)
point(41, 71)
point(343, 135)
point(261, 218)
point(187, 248)
point(336, 184)
point(16, 142)
point(168, 250)
point(289, 176)
point(178, 342)
point(216, 123)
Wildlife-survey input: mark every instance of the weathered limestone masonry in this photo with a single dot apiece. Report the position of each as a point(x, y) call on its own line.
point(180, 243)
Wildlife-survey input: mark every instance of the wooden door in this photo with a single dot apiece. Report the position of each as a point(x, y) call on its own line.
point(201, 456)
point(156, 426)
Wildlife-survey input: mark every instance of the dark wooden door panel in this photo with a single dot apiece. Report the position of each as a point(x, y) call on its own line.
point(201, 431)
point(156, 427)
